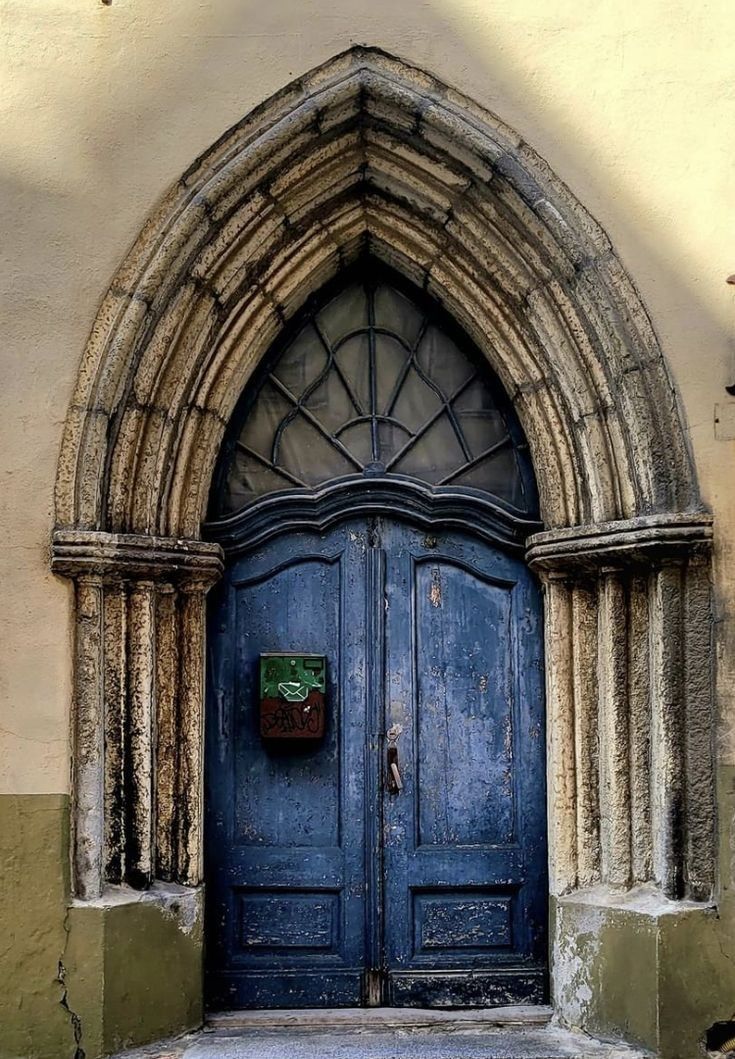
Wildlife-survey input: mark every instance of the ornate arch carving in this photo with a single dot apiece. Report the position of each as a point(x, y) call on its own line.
point(367, 152)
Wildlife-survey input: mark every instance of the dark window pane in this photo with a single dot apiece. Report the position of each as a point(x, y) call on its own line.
point(441, 360)
point(302, 362)
point(260, 428)
point(353, 361)
point(480, 420)
point(372, 382)
point(434, 455)
point(343, 314)
point(497, 474)
point(416, 403)
point(308, 455)
point(396, 313)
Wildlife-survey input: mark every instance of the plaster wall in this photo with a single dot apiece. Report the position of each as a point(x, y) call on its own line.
point(104, 105)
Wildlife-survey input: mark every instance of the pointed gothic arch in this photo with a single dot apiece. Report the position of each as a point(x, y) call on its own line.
point(367, 152)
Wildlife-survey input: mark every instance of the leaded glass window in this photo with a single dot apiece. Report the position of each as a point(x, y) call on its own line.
point(372, 383)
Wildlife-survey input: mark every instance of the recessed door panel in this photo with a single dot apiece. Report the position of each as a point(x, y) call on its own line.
point(469, 922)
point(463, 691)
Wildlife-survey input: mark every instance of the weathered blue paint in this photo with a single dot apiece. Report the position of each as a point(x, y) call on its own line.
point(324, 888)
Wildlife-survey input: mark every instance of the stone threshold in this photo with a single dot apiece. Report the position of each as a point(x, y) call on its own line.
point(523, 1032)
point(366, 1020)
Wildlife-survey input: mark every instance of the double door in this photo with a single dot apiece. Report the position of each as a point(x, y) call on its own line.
point(399, 858)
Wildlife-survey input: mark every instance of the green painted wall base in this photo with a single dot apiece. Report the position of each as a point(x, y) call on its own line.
point(134, 967)
point(638, 968)
point(34, 887)
point(87, 979)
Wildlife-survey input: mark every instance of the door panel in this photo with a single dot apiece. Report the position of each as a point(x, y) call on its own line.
point(285, 850)
point(465, 885)
point(323, 886)
point(461, 633)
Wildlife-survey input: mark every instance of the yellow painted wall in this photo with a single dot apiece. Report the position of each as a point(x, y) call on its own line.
point(103, 105)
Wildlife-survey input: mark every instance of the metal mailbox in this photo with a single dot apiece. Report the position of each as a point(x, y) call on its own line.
point(292, 696)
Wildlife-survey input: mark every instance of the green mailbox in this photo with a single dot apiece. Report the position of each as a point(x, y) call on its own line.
point(292, 696)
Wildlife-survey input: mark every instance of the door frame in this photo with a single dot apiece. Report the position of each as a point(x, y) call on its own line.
point(356, 496)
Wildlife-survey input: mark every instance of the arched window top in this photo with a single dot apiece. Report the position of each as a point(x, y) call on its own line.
point(374, 380)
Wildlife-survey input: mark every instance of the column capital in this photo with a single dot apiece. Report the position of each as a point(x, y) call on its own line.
point(613, 545)
point(182, 562)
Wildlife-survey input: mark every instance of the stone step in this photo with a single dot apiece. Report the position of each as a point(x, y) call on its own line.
point(379, 1033)
point(368, 1020)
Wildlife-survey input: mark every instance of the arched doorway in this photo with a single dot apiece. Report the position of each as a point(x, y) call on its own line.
point(367, 152)
point(381, 839)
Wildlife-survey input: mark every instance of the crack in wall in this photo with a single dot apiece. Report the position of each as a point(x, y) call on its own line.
point(74, 1017)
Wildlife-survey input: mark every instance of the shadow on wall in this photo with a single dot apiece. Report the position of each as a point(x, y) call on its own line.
point(134, 106)
point(155, 89)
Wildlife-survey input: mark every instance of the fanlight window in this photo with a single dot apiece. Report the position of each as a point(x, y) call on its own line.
point(372, 384)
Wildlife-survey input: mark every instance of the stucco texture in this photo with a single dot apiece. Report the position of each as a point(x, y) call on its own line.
point(105, 104)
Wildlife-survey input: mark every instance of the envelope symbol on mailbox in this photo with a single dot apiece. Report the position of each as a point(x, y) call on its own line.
point(294, 691)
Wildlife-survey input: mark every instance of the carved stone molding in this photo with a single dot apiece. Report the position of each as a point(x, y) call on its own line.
point(630, 713)
point(626, 542)
point(369, 154)
point(127, 556)
point(138, 705)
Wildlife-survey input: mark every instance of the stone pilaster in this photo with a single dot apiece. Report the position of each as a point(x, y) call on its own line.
point(629, 700)
point(88, 774)
point(138, 706)
point(561, 778)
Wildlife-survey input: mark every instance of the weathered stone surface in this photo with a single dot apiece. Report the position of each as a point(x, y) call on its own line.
point(643, 803)
point(88, 727)
point(140, 733)
point(115, 556)
point(585, 651)
point(548, 1043)
point(561, 779)
point(301, 156)
point(614, 771)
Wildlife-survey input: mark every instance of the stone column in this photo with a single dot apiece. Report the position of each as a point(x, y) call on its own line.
point(138, 705)
point(167, 728)
point(560, 729)
point(115, 655)
point(584, 652)
point(629, 701)
point(191, 735)
point(88, 774)
point(613, 732)
point(139, 760)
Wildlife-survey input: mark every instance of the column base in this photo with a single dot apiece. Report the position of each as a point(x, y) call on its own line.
point(637, 967)
point(133, 966)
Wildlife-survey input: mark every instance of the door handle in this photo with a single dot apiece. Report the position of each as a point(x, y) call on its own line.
point(395, 782)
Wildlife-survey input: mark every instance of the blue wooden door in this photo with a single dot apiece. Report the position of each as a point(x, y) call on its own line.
point(465, 856)
point(334, 878)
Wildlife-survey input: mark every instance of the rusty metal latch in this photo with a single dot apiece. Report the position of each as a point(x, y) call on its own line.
point(395, 782)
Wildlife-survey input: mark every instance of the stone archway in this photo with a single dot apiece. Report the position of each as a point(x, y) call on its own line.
point(363, 152)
